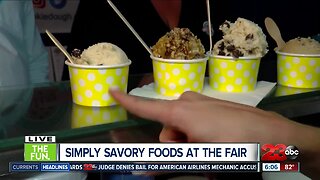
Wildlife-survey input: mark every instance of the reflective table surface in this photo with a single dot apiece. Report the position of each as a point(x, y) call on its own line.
point(47, 109)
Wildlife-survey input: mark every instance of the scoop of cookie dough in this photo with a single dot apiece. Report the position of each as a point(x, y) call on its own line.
point(301, 46)
point(241, 38)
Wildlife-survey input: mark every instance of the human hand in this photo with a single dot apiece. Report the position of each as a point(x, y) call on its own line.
point(197, 118)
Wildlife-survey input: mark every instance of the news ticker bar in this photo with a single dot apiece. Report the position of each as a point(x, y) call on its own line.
point(133, 167)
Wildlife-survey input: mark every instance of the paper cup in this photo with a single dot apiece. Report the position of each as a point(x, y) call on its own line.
point(83, 116)
point(90, 84)
point(298, 70)
point(228, 74)
point(172, 77)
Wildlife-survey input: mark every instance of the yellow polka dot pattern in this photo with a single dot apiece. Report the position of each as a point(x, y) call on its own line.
point(90, 86)
point(298, 71)
point(173, 78)
point(83, 116)
point(233, 75)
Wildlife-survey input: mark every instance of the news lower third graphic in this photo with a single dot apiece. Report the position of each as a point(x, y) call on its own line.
point(42, 153)
point(40, 148)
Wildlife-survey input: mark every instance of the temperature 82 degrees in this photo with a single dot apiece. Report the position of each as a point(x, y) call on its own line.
point(290, 166)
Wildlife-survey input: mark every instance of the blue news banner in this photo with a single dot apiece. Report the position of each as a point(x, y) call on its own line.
point(133, 167)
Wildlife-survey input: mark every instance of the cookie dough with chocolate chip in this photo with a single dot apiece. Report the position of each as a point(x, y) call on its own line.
point(243, 38)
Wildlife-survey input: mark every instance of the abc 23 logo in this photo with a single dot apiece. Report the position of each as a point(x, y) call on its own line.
point(279, 152)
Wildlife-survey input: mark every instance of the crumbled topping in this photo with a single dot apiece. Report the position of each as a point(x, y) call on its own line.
point(179, 43)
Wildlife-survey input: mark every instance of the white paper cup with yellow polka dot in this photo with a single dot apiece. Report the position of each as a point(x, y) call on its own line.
point(229, 74)
point(90, 84)
point(83, 116)
point(172, 77)
point(298, 70)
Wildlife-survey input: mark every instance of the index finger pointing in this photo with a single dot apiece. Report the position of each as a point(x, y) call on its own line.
point(145, 108)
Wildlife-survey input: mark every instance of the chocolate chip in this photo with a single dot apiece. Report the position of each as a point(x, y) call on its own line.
point(226, 24)
point(230, 48)
point(249, 36)
point(237, 53)
point(221, 46)
point(76, 53)
point(221, 53)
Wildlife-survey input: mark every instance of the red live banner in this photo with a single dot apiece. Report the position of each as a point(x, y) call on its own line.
point(290, 166)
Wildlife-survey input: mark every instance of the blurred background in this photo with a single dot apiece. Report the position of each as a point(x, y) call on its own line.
point(295, 19)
